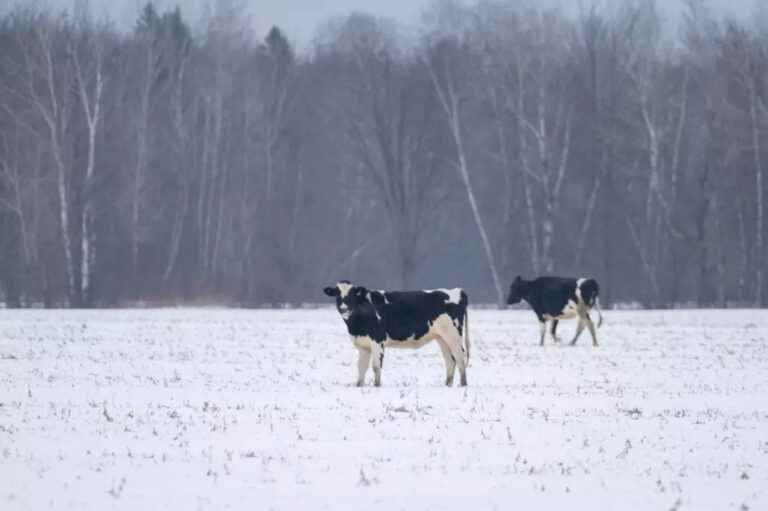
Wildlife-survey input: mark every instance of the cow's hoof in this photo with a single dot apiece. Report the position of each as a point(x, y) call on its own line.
point(359, 384)
point(463, 382)
point(449, 383)
point(378, 384)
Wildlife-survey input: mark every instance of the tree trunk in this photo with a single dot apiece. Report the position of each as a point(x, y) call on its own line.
point(744, 259)
point(552, 194)
point(142, 126)
point(526, 174)
point(672, 211)
point(464, 173)
point(721, 253)
point(586, 224)
point(92, 110)
point(759, 229)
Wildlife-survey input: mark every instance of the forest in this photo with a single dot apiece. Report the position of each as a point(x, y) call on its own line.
point(166, 164)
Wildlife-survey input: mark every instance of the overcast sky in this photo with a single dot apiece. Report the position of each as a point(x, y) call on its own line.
point(300, 18)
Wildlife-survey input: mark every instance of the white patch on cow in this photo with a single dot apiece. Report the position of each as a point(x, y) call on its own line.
point(409, 343)
point(440, 324)
point(362, 342)
point(578, 289)
point(454, 295)
point(345, 314)
point(344, 288)
point(571, 310)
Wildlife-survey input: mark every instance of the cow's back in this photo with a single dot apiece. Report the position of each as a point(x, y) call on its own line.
point(549, 295)
point(410, 314)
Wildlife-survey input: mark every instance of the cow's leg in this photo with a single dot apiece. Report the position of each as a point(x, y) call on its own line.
point(591, 327)
point(579, 329)
point(452, 339)
point(363, 361)
point(543, 328)
point(377, 361)
point(554, 331)
point(450, 362)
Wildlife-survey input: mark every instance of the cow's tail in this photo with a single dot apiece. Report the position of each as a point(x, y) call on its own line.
point(599, 312)
point(466, 333)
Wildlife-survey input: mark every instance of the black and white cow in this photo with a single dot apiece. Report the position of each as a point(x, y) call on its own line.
point(556, 298)
point(404, 319)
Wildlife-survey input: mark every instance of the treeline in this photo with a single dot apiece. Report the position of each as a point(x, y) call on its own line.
point(167, 165)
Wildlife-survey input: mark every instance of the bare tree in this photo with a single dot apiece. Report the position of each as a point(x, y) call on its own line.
point(388, 124)
point(442, 67)
point(533, 85)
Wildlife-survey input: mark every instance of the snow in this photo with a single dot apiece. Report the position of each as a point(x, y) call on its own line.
point(234, 409)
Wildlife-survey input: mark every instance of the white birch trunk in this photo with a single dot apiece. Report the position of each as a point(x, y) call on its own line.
point(552, 194)
point(91, 103)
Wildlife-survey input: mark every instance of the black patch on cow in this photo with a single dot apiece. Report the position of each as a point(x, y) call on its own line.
point(362, 320)
point(397, 315)
point(590, 291)
point(550, 295)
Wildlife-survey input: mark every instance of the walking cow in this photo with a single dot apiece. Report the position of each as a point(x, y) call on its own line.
point(556, 298)
point(404, 319)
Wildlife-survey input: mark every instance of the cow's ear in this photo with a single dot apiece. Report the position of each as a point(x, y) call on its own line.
point(518, 279)
point(331, 291)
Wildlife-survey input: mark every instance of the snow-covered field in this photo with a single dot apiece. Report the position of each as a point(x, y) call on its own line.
point(228, 409)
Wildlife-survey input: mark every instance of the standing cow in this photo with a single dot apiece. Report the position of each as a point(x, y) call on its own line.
point(556, 298)
point(404, 319)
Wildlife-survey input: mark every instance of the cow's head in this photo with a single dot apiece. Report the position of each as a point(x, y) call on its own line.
point(516, 291)
point(349, 298)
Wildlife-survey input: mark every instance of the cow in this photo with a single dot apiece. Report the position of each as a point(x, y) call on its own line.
point(377, 320)
point(556, 298)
